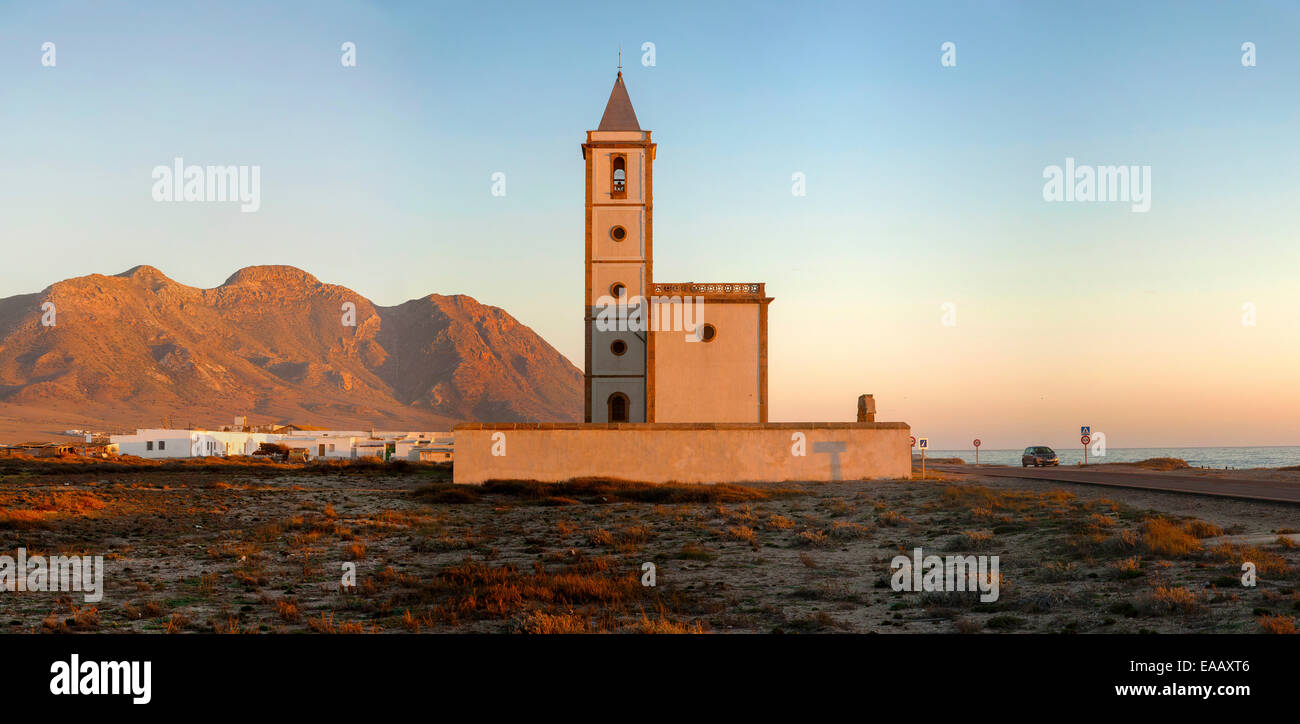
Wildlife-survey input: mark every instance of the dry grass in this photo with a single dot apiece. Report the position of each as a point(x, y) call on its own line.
point(1201, 529)
point(978, 539)
point(1277, 624)
point(1172, 599)
point(288, 610)
point(778, 522)
point(743, 533)
point(891, 517)
point(812, 538)
point(541, 622)
point(1125, 568)
point(1266, 562)
point(23, 519)
point(695, 552)
point(1162, 464)
point(847, 530)
point(1163, 537)
point(663, 625)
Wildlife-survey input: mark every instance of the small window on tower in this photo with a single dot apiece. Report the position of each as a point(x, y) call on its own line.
point(618, 177)
point(618, 347)
point(618, 290)
point(618, 233)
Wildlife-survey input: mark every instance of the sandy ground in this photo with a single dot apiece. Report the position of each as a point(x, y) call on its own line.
point(248, 552)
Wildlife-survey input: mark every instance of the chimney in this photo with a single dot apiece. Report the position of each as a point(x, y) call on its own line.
point(866, 408)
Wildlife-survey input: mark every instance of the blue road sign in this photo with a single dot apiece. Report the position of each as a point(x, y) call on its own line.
point(1085, 430)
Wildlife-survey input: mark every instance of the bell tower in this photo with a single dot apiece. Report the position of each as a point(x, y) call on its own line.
point(619, 156)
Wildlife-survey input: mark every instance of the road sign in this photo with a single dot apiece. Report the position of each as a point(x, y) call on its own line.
point(1085, 430)
point(913, 439)
point(1085, 439)
point(925, 443)
point(977, 442)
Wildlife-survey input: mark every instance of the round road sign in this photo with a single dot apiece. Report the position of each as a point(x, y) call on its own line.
point(977, 442)
point(913, 439)
point(1085, 439)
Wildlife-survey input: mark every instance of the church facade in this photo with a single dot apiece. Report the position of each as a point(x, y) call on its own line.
point(658, 351)
point(675, 373)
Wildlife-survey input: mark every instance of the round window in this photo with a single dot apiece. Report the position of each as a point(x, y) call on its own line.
point(708, 333)
point(618, 347)
point(617, 290)
point(618, 233)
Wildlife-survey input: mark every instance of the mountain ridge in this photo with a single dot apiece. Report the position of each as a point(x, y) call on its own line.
point(270, 342)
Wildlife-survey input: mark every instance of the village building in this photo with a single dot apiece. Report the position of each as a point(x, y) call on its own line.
point(160, 443)
point(157, 443)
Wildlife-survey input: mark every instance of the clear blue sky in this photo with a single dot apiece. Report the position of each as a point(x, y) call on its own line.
point(924, 183)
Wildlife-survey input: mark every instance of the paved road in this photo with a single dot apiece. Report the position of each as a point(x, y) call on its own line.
point(1271, 490)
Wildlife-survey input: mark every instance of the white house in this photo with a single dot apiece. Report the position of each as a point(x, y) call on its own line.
point(320, 444)
point(157, 443)
point(423, 449)
point(329, 447)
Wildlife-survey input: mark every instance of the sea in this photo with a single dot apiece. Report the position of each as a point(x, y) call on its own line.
point(1198, 457)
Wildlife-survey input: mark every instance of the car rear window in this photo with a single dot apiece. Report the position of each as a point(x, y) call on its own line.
point(1043, 450)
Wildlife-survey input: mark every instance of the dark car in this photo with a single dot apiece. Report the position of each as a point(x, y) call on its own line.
point(1038, 455)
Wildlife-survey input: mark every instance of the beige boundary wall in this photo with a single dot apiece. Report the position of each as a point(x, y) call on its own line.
point(683, 452)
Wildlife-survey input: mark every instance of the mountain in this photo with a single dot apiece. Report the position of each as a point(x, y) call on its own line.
point(127, 350)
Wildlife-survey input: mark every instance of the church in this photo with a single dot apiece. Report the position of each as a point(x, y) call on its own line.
point(675, 373)
point(712, 367)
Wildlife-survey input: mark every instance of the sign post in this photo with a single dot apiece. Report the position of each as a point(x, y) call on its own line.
point(977, 451)
point(925, 444)
point(1085, 439)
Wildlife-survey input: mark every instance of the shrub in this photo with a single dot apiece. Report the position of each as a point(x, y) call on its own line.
point(1162, 464)
point(812, 538)
point(1162, 537)
point(1004, 623)
point(890, 517)
point(742, 533)
point(1277, 624)
point(1201, 529)
point(1126, 568)
point(1173, 599)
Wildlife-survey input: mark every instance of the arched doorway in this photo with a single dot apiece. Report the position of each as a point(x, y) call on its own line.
point(618, 407)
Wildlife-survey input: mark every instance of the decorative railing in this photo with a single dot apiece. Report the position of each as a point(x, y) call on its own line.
point(738, 289)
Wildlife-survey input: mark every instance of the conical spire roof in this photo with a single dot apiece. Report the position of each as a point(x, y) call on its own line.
point(619, 115)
